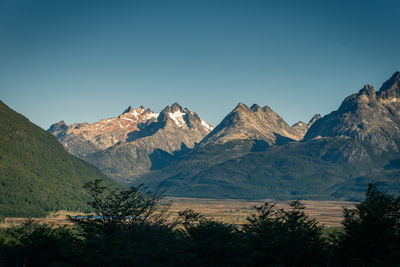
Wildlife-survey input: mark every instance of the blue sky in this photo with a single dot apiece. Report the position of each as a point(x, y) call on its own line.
point(81, 61)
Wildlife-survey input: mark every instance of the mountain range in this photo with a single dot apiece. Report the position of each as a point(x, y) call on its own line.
point(135, 142)
point(253, 152)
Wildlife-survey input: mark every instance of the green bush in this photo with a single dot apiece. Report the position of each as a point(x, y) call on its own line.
point(372, 231)
point(284, 237)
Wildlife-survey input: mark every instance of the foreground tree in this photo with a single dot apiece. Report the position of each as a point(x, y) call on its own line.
point(215, 243)
point(372, 231)
point(129, 228)
point(115, 207)
point(276, 236)
point(33, 244)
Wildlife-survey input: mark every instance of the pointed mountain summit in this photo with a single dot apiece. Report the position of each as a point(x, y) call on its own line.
point(390, 90)
point(301, 128)
point(58, 127)
point(244, 123)
point(130, 109)
point(176, 116)
point(314, 119)
point(370, 117)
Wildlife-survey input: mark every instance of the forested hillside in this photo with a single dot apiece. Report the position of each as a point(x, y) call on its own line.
point(37, 175)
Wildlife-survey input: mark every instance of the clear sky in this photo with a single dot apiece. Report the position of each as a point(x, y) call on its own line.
point(81, 61)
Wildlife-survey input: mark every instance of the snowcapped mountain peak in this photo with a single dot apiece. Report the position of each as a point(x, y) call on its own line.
point(176, 107)
point(183, 118)
point(177, 117)
point(138, 114)
point(130, 109)
point(134, 135)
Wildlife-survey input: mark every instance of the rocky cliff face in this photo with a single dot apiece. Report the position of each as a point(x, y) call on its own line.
point(134, 142)
point(175, 128)
point(300, 128)
point(371, 117)
point(244, 123)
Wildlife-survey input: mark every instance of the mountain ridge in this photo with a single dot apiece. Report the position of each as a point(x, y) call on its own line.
point(369, 116)
point(339, 155)
point(149, 140)
point(259, 123)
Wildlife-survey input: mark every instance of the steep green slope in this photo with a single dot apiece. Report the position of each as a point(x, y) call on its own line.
point(36, 174)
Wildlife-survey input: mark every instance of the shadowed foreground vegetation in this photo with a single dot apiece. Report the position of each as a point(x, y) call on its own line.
point(131, 228)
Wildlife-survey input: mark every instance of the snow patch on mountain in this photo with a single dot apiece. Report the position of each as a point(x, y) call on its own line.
point(177, 116)
point(206, 125)
point(152, 115)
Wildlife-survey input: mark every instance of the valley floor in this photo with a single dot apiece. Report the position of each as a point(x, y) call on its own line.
point(233, 211)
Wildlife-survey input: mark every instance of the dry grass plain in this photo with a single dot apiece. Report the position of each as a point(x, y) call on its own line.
point(328, 213)
point(233, 211)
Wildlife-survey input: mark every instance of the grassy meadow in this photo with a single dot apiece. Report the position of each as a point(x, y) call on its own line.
point(232, 211)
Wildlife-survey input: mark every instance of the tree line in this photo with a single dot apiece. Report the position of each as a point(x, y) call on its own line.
point(131, 228)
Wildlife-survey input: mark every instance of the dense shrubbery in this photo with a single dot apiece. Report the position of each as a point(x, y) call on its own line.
point(130, 228)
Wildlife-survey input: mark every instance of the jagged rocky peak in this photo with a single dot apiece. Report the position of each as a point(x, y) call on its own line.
point(301, 128)
point(130, 109)
point(244, 123)
point(172, 109)
point(139, 114)
point(255, 108)
point(267, 109)
point(139, 110)
point(315, 118)
point(59, 126)
point(183, 118)
point(176, 107)
point(367, 116)
point(368, 90)
point(174, 114)
point(388, 93)
point(241, 107)
point(310, 122)
point(390, 89)
point(365, 96)
point(299, 123)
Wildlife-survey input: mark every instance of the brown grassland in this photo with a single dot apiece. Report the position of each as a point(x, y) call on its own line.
point(329, 213)
point(233, 211)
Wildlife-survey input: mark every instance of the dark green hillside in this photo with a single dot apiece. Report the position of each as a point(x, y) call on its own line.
point(36, 174)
